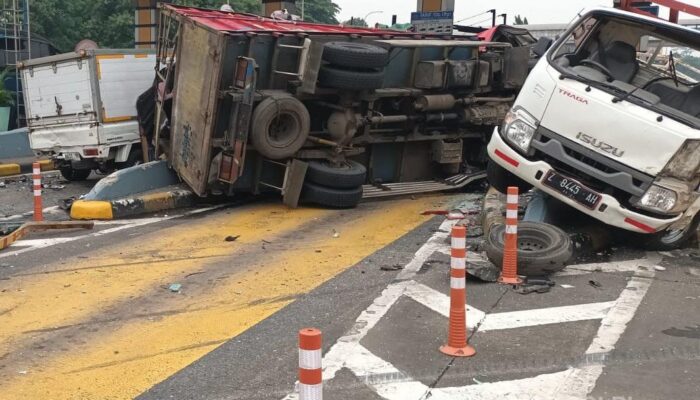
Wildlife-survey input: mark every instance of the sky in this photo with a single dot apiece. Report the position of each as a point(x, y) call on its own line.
point(536, 11)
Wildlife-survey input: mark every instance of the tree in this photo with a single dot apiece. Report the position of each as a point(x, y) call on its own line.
point(521, 20)
point(110, 23)
point(355, 21)
point(323, 11)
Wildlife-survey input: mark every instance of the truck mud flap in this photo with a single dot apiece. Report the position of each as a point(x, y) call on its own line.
point(398, 189)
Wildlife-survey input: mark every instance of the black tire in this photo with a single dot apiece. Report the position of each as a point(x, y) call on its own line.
point(75, 175)
point(669, 239)
point(500, 179)
point(330, 197)
point(280, 127)
point(338, 78)
point(355, 55)
point(542, 248)
point(349, 175)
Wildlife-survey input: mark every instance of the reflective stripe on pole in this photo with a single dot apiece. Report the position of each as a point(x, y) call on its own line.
point(310, 375)
point(509, 272)
point(36, 176)
point(457, 345)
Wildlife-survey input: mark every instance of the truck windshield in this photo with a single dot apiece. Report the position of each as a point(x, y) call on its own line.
point(654, 65)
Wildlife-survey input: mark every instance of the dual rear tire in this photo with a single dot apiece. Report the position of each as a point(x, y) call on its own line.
point(334, 186)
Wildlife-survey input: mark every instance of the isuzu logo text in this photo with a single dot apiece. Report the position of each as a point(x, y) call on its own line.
point(600, 144)
point(573, 96)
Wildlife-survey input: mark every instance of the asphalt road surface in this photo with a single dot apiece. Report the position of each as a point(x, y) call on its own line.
point(206, 304)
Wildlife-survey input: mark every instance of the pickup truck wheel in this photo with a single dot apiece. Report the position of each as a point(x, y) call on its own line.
point(671, 239)
point(355, 55)
point(348, 175)
point(500, 179)
point(75, 175)
point(339, 78)
point(281, 125)
point(330, 197)
point(542, 248)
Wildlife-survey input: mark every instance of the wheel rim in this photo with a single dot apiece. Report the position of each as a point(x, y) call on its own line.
point(531, 244)
point(283, 130)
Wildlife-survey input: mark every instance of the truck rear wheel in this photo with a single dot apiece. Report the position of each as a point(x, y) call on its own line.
point(339, 78)
point(330, 197)
point(281, 125)
point(75, 175)
point(348, 175)
point(355, 55)
point(500, 179)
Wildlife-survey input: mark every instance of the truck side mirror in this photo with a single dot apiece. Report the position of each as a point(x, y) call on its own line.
point(543, 44)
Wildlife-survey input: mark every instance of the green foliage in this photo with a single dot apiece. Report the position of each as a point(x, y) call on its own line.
point(110, 23)
point(323, 11)
point(356, 21)
point(6, 96)
point(521, 20)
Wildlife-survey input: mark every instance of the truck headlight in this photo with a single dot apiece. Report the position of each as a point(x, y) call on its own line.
point(519, 128)
point(658, 199)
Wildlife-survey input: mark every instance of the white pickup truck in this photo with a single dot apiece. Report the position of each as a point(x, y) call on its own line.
point(81, 108)
point(608, 122)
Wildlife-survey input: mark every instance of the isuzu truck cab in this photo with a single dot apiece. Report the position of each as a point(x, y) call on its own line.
point(608, 122)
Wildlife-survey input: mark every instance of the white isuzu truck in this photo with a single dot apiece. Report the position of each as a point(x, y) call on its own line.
point(81, 108)
point(608, 122)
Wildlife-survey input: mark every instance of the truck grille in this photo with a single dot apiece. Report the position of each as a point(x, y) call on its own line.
point(592, 169)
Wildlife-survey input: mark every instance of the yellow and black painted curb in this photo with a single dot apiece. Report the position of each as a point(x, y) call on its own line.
point(129, 207)
point(17, 169)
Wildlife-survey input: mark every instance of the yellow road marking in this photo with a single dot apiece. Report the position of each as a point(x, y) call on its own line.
point(142, 352)
point(68, 293)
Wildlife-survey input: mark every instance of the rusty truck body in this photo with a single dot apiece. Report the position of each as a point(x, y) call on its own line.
point(325, 114)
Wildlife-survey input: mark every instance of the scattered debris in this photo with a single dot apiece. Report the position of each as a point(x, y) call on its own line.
point(2, 185)
point(567, 286)
point(659, 268)
point(175, 287)
point(478, 382)
point(395, 267)
point(535, 286)
point(336, 235)
point(232, 238)
point(6, 266)
point(23, 372)
point(595, 284)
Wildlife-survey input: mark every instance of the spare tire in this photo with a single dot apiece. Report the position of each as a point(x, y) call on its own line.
point(280, 127)
point(330, 197)
point(542, 248)
point(338, 78)
point(355, 55)
point(349, 175)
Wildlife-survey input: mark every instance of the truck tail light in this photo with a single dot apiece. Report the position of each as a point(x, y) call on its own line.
point(91, 152)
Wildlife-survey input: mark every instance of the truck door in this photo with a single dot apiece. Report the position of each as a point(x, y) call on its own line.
point(196, 90)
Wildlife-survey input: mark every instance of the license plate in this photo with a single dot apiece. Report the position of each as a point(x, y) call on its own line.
point(573, 190)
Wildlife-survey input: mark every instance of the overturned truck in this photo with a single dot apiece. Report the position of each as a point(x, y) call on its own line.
point(325, 114)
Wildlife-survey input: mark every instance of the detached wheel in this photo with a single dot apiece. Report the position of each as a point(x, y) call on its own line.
point(347, 175)
point(330, 197)
point(500, 179)
point(75, 175)
point(355, 55)
point(670, 239)
point(542, 248)
point(280, 127)
point(338, 78)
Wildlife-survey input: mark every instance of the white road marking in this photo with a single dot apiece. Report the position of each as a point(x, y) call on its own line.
point(613, 267)
point(127, 224)
point(440, 303)
point(573, 383)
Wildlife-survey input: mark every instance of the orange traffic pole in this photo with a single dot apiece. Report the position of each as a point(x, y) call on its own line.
point(509, 272)
point(457, 345)
point(310, 374)
point(36, 177)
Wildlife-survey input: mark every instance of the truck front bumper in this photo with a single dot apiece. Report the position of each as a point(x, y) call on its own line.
point(609, 210)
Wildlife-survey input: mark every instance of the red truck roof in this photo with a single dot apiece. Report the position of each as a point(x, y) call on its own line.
point(235, 22)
